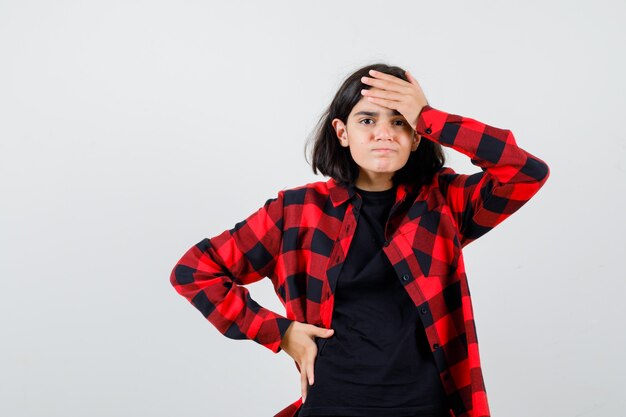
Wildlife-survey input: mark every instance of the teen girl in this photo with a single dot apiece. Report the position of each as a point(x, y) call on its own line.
point(376, 251)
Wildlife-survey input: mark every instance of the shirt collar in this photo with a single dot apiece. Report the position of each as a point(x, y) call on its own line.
point(340, 192)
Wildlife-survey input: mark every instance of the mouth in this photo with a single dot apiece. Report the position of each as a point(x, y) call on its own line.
point(383, 150)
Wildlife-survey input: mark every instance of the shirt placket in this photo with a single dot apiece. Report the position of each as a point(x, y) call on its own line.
point(338, 256)
point(399, 252)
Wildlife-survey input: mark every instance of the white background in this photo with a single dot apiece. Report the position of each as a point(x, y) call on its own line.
point(129, 131)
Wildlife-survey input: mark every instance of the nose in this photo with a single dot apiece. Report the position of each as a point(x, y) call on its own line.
point(384, 132)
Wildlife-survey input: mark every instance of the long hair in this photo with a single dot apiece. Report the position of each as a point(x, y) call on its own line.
point(335, 161)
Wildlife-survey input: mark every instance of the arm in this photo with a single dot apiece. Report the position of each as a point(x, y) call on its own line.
point(510, 176)
point(211, 275)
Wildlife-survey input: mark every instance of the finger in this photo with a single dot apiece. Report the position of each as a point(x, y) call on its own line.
point(386, 77)
point(411, 79)
point(383, 84)
point(378, 93)
point(309, 372)
point(390, 104)
point(303, 384)
point(320, 331)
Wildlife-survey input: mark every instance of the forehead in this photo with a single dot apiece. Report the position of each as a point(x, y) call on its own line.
point(367, 108)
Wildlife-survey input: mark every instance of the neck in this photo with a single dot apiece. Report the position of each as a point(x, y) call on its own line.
point(379, 183)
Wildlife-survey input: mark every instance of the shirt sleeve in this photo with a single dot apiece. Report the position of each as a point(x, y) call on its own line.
point(211, 275)
point(509, 175)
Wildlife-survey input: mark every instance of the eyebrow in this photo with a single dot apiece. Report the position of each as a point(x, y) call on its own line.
point(375, 113)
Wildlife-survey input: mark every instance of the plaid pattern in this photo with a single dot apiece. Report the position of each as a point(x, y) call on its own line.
point(300, 238)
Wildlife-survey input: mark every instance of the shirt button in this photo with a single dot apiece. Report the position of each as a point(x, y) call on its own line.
point(436, 346)
point(428, 130)
point(405, 277)
point(424, 310)
point(386, 243)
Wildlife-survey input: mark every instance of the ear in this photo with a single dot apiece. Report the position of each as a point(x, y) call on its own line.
point(341, 132)
point(416, 141)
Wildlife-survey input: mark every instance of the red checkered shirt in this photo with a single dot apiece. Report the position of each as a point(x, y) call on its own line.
point(300, 238)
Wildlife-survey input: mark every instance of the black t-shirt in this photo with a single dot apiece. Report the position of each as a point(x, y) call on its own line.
point(378, 361)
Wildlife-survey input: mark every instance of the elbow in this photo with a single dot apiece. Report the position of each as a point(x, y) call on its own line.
point(175, 277)
point(181, 276)
point(173, 280)
point(543, 172)
point(536, 169)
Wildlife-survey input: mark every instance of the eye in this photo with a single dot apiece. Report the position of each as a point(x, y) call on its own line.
point(398, 122)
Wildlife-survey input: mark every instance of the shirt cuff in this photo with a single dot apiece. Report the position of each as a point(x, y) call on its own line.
point(430, 122)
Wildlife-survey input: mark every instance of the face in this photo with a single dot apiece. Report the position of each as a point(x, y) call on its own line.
point(380, 142)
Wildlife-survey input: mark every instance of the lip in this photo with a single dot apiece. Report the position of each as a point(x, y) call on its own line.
point(383, 150)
